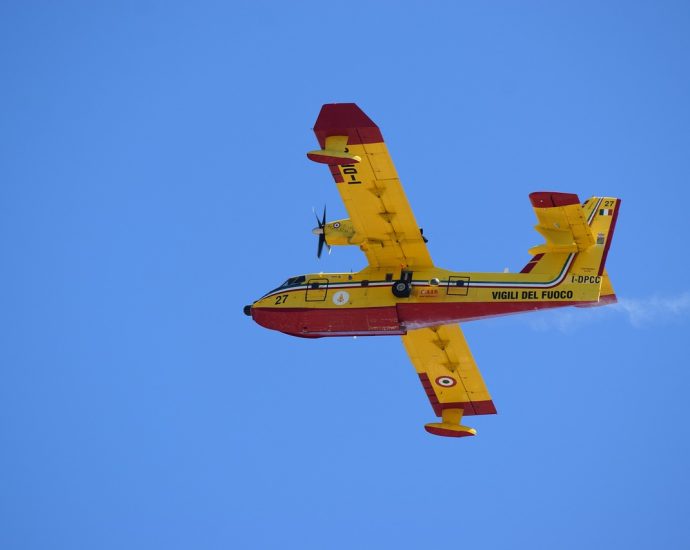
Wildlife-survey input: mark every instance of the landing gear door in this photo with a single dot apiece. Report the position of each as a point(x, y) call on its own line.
point(317, 289)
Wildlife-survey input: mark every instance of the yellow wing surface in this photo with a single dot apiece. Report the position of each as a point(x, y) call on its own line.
point(450, 377)
point(384, 225)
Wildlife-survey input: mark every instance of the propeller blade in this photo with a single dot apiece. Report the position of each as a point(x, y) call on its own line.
point(322, 233)
point(322, 240)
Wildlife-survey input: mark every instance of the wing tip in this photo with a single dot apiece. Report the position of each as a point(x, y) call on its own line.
point(550, 199)
point(346, 119)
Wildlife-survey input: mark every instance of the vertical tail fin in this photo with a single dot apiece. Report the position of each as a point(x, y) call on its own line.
point(601, 215)
point(606, 295)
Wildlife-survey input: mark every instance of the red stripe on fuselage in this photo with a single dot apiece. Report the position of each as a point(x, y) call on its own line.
point(530, 265)
point(319, 322)
point(389, 320)
point(414, 316)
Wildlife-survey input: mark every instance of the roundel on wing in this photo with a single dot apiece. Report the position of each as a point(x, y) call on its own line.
point(446, 381)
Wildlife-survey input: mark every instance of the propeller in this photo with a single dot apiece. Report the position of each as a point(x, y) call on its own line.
point(321, 232)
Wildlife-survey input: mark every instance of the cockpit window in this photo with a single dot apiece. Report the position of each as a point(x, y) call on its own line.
point(293, 281)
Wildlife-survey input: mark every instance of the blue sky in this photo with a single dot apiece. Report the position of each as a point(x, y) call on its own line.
point(153, 180)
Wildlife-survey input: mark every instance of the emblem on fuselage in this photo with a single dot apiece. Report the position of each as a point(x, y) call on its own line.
point(341, 298)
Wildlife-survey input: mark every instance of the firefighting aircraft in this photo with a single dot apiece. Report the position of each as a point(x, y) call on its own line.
point(401, 292)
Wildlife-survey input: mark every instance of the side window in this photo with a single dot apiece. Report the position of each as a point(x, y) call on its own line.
point(317, 289)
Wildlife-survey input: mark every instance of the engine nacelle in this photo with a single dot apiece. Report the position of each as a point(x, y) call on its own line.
point(340, 232)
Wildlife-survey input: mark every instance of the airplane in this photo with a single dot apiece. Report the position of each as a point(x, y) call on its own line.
point(402, 292)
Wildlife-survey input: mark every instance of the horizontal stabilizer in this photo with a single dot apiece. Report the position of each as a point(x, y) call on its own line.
point(562, 223)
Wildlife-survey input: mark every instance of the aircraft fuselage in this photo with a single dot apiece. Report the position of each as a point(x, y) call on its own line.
point(365, 304)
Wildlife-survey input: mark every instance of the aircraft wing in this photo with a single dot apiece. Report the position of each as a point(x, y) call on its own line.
point(353, 148)
point(447, 370)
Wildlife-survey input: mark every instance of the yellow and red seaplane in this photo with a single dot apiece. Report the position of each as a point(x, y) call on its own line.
point(401, 292)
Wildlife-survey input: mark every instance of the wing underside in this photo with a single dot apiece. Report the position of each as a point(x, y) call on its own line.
point(450, 376)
